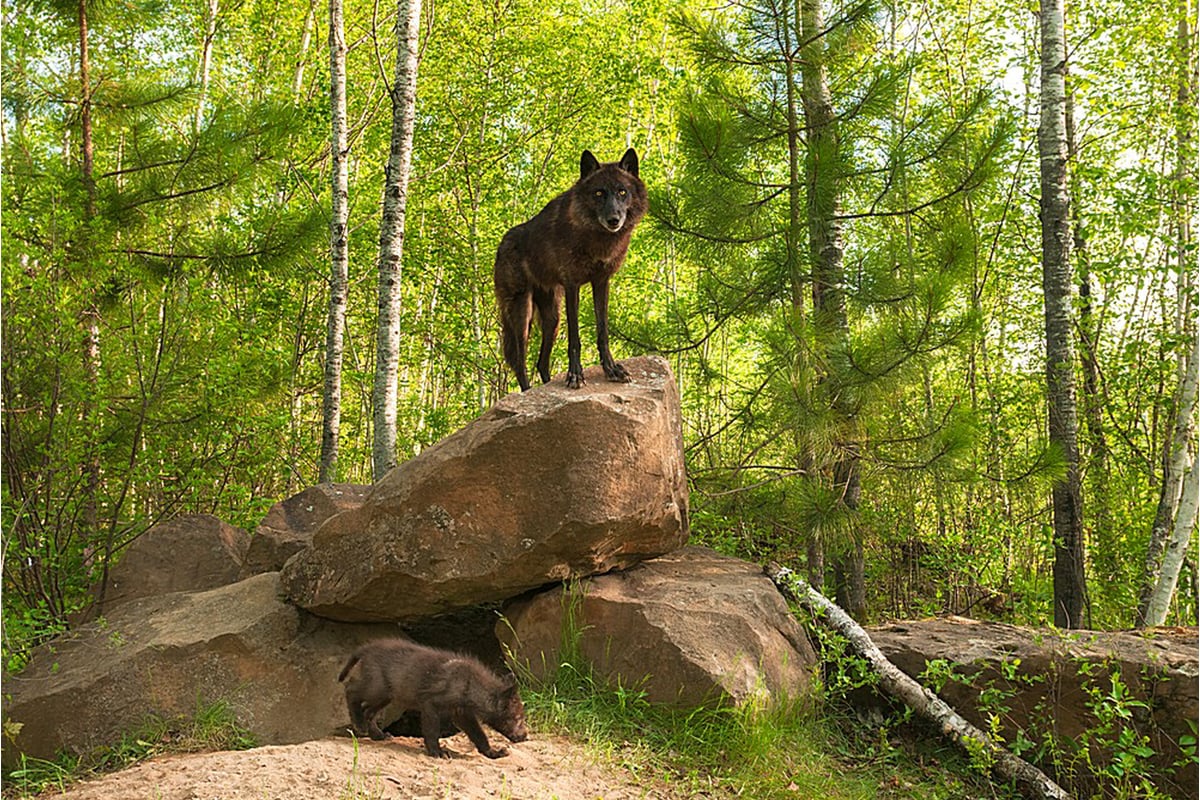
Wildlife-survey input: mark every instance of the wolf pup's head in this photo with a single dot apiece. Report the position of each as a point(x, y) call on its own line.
point(613, 194)
point(508, 712)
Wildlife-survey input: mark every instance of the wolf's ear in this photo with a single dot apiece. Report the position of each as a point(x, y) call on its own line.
point(587, 164)
point(629, 162)
point(508, 683)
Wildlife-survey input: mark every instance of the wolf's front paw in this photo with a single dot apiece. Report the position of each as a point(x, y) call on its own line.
point(574, 379)
point(496, 752)
point(615, 372)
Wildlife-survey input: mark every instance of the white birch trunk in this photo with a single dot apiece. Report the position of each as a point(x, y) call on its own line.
point(205, 66)
point(920, 699)
point(310, 22)
point(391, 238)
point(1180, 481)
point(338, 248)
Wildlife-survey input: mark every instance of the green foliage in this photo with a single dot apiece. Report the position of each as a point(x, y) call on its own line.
point(1112, 757)
point(201, 272)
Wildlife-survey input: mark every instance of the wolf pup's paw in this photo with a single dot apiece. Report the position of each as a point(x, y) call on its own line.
point(574, 379)
point(496, 752)
point(616, 373)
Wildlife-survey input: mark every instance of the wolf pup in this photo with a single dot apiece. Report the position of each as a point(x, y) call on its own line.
point(437, 683)
point(580, 237)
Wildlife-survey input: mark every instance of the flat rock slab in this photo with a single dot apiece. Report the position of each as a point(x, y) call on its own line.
point(547, 485)
point(1053, 675)
point(275, 665)
point(690, 628)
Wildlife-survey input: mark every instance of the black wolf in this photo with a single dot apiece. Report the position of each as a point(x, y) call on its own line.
point(439, 684)
point(580, 237)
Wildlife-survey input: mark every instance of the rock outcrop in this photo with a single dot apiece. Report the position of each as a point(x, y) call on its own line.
point(290, 524)
point(689, 628)
point(274, 664)
point(1057, 678)
point(547, 485)
point(188, 553)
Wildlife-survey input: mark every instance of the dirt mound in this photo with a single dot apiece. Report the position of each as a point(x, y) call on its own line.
point(335, 768)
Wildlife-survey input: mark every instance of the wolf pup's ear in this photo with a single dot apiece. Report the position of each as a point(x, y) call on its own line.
point(629, 162)
point(588, 164)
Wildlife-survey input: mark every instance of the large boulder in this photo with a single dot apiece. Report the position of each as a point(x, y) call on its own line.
point(290, 524)
point(274, 664)
point(690, 628)
point(547, 485)
point(186, 553)
point(1050, 682)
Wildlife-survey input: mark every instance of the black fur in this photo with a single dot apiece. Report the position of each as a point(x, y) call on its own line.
point(580, 237)
point(440, 685)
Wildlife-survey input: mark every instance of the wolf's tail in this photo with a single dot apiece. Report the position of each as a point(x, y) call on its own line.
point(346, 669)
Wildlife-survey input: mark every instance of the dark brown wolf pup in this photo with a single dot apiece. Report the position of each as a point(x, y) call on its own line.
point(580, 237)
point(437, 683)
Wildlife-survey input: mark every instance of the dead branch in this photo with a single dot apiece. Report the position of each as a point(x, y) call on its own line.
point(917, 697)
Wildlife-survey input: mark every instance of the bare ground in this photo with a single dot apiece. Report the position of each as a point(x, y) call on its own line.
point(333, 769)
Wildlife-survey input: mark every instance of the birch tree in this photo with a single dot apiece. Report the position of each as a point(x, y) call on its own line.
point(1176, 518)
point(338, 248)
point(391, 238)
point(1069, 585)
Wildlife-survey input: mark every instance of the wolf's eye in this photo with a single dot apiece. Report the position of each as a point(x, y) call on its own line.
point(599, 193)
point(622, 192)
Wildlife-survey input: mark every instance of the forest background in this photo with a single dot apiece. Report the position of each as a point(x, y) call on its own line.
point(166, 272)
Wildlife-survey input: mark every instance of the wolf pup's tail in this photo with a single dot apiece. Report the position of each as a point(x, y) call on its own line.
point(346, 669)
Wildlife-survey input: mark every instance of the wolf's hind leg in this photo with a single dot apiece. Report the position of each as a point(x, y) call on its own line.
point(547, 306)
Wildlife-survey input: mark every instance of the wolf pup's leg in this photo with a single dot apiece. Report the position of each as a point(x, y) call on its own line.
point(612, 370)
point(372, 723)
point(431, 731)
point(467, 723)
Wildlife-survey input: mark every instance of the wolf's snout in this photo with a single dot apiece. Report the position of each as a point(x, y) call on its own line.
point(614, 223)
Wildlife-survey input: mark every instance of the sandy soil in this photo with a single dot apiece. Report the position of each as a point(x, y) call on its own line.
point(330, 769)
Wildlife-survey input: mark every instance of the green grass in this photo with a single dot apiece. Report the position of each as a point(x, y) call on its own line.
point(211, 727)
point(811, 747)
point(790, 749)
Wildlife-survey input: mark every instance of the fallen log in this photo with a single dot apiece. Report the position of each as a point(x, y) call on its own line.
point(920, 699)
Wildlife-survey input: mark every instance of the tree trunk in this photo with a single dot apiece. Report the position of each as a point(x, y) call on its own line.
point(1176, 450)
point(90, 316)
point(391, 238)
point(1069, 585)
point(338, 249)
point(823, 188)
point(205, 66)
point(310, 22)
point(920, 699)
point(1176, 516)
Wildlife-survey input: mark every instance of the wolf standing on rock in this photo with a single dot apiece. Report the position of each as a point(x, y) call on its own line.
point(437, 683)
point(580, 237)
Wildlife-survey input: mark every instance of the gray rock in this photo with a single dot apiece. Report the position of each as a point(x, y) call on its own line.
point(187, 553)
point(1051, 672)
point(690, 628)
point(546, 485)
point(275, 665)
point(290, 524)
